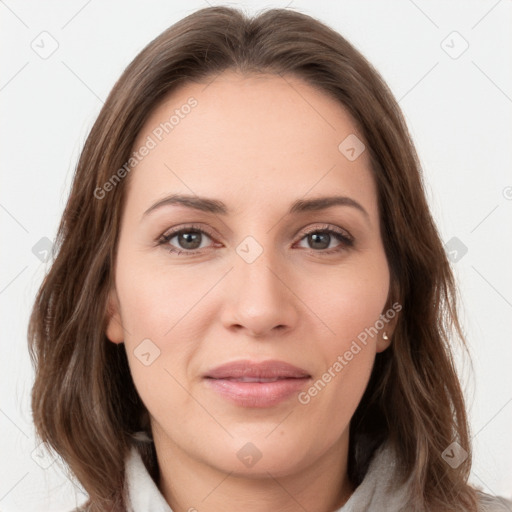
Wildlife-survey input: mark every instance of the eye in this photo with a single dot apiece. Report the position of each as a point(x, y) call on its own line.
point(320, 239)
point(189, 240)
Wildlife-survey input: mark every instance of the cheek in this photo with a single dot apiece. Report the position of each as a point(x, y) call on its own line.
point(159, 312)
point(158, 342)
point(156, 300)
point(350, 300)
point(351, 307)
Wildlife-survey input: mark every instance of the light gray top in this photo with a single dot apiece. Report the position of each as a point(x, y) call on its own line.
point(375, 494)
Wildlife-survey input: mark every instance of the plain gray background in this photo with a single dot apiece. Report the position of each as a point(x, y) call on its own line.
point(448, 64)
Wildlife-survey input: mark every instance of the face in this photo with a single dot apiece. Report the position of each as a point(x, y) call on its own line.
point(260, 278)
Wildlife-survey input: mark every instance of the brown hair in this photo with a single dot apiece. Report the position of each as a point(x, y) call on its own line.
point(84, 402)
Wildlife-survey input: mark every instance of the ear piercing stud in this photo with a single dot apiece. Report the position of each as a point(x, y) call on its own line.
point(385, 336)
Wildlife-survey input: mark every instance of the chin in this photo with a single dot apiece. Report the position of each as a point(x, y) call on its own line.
point(257, 456)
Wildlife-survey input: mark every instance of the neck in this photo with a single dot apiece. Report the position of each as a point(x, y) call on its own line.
point(191, 485)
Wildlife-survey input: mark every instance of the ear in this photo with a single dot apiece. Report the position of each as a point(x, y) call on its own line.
point(114, 331)
point(389, 317)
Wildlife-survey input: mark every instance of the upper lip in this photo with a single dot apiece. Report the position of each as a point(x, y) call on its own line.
point(263, 370)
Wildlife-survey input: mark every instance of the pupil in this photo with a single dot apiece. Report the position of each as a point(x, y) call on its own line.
point(190, 237)
point(317, 237)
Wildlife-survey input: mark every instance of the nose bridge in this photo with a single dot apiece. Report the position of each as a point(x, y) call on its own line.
point(256, 268)
point(260, 298)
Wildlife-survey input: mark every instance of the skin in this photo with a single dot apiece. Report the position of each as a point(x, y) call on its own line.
point(257, 143)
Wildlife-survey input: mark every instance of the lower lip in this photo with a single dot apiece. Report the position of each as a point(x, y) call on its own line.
point(257, 394)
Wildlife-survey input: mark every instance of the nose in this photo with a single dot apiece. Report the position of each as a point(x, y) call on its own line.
point(260, 298)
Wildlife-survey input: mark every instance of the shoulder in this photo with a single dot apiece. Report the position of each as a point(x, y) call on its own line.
point(488, 503)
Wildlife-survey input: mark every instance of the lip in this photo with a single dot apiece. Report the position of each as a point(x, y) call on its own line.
point(256, 384)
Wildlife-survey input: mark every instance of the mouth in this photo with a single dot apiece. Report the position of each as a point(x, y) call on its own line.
point(257, 384)
point(254, 379)
point(246, 369)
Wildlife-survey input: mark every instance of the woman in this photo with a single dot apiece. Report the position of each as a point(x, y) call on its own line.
point(250, 302)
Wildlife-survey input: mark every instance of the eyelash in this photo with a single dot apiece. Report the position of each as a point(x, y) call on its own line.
point(346, 240)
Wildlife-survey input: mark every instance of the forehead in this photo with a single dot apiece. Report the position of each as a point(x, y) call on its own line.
point(254, 136)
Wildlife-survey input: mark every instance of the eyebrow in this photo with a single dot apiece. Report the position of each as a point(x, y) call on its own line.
point(217, 207)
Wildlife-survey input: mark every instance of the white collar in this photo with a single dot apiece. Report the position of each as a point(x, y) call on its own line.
point(376, 493)
point(141, 491)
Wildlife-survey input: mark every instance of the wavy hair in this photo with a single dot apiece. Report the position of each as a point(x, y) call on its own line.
point(85, 405)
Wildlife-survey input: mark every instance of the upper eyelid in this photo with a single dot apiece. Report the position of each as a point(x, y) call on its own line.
point(329, 227)
point(176, 231)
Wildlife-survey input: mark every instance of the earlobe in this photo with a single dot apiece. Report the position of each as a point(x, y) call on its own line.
point(384, 341)
point(114, 330)
point(385, 336)
point(389, 315)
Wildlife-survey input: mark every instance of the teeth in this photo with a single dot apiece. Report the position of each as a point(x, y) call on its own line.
point(255, 379)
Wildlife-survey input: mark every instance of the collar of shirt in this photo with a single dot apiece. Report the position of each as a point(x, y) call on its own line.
point(378, 487)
